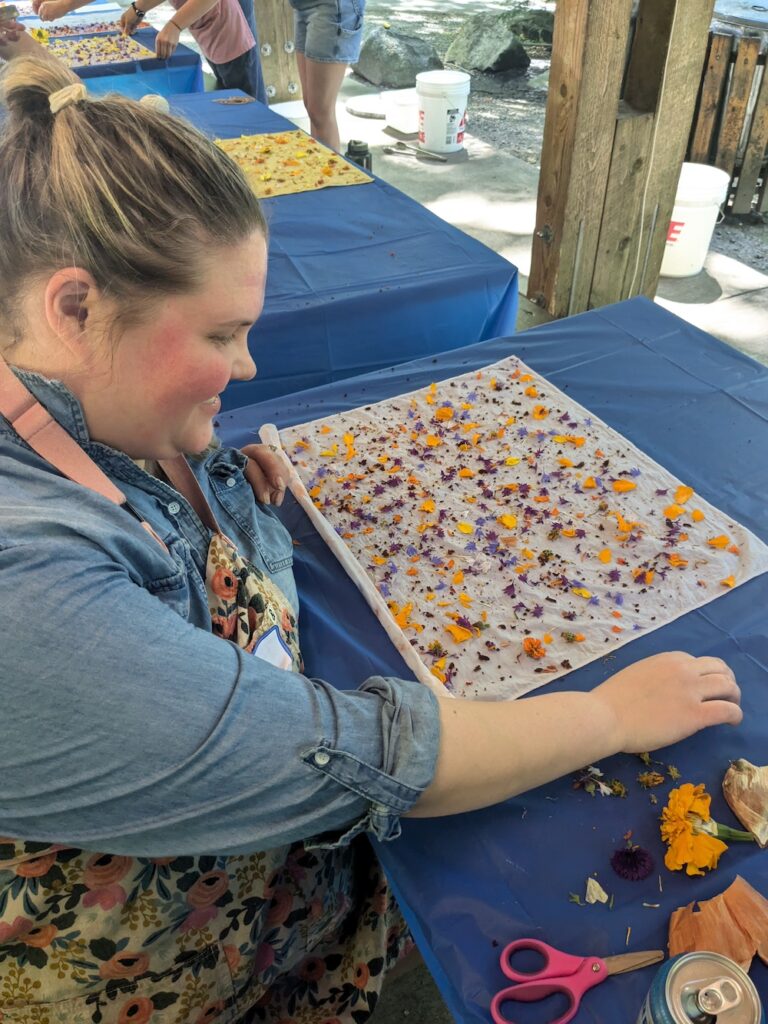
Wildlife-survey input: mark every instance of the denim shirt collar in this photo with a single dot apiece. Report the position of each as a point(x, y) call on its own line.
point(59, 401)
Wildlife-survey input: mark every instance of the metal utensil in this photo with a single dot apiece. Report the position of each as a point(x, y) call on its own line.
point(403, 148)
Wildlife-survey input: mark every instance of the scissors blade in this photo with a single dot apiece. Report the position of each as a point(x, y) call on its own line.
point(633, 961)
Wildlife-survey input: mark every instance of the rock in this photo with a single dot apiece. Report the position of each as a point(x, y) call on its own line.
point(393, 58)
point(493, 41)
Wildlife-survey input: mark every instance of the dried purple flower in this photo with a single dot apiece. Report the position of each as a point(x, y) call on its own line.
point(632, 862)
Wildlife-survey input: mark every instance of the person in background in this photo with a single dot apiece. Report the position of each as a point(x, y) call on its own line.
point(328, 35)
point(219, 27)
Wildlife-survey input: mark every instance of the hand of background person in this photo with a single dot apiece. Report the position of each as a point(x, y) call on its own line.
point(129, 21)
point(265, 472)
point(167, 40)
point(50, 10)
point(668, 697)
point(10, 32)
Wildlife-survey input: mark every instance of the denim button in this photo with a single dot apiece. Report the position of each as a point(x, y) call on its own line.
point(231, 481)
point(322, 758)
point(174, 508)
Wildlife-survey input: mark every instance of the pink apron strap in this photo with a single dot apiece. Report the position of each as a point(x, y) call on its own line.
point(184, 480)
point(35, 425)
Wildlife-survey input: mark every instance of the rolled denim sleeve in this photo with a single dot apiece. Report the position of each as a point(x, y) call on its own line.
point(129, 730)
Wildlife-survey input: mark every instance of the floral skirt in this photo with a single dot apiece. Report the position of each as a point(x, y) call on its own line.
point(288, 936)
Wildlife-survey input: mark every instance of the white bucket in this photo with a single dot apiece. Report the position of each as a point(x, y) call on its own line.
point(701, 191)
point(401, 110)
point(442, 109)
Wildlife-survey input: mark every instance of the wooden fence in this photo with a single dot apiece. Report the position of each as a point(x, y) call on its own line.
point(730, 125)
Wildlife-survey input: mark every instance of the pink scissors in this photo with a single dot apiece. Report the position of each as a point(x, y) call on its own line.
point(571, 976)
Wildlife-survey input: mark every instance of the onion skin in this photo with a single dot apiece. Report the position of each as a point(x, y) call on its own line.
point(745, 788)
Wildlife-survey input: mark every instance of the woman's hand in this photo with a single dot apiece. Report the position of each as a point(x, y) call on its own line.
point(668, 697)
point(265, 472)
point(129, 21)
point(50, 10)
point(167, 40)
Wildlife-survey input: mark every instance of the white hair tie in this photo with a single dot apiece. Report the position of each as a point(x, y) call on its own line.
point(155, 102)
point(69, 94)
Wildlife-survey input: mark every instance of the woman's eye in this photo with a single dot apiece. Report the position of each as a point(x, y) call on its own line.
point(221, 339)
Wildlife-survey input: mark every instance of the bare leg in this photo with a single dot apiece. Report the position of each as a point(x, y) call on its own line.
point(320, 83)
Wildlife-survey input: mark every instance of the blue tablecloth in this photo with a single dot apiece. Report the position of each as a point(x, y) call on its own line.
point(181, 73)
point(471, 883)
point(360, 277)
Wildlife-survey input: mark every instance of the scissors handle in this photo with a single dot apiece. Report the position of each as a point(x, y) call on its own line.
point(591, 972)
point(556, 964)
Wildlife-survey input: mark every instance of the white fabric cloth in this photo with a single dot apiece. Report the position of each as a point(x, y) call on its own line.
point(514, 535)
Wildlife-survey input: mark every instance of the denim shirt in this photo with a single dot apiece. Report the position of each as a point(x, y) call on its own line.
point(127, 725)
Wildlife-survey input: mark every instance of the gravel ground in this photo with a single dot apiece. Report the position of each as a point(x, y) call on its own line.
point(507, 111)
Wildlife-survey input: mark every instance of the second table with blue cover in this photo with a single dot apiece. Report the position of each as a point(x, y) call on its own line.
point(360, 277)
point(469, 884)
point(182, 72)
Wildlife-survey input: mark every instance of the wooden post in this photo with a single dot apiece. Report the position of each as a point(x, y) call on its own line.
point(588, 52)
point(274, 20)
point(683, 25)
point(609, 169)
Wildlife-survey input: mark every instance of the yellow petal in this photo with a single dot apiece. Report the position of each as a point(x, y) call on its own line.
point(623, 485)
point(729, 581)
point(465, 528)
point(605, 555)
point(508, 521)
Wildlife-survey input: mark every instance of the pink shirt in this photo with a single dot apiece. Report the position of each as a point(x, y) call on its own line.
point(222, 33)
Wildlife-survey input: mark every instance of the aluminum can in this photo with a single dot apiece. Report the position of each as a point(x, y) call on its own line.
point(701, 988)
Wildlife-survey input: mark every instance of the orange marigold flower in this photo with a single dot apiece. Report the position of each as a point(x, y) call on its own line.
point(533, 647)
point(692, 837)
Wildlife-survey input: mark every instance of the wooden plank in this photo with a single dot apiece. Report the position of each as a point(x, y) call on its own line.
point(621, 213)
point(735, 111)
point(712, 87)
point(755, 153)
point(274, 20)
point(585, 79)
point(686, 23)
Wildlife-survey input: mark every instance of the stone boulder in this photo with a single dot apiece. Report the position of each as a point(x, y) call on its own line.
point(393, 59)
point(493, 41)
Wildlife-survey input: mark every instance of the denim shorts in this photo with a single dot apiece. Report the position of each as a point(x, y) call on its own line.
point(329, 31)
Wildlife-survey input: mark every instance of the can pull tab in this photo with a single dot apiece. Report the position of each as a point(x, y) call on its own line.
point(718, 996)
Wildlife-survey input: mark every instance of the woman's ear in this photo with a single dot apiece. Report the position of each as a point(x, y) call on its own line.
point(70, 300)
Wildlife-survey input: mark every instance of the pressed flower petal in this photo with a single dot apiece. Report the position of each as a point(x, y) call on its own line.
point(682, 494)
point(623, 485)
point(721, 542)
point(465, 528)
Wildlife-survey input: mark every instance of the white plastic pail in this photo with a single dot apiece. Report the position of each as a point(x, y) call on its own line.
point(442, 109)
point(401, 110)
point(701, 191)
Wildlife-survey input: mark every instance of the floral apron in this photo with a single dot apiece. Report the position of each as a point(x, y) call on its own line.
point(286, 936)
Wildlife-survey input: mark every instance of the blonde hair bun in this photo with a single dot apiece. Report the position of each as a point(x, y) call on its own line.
point(27, 83)
point(156, 102)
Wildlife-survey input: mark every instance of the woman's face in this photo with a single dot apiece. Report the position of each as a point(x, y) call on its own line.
point(157, 391)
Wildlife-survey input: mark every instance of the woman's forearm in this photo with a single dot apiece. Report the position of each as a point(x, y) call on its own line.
point(492, 751)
